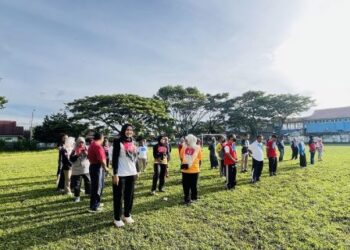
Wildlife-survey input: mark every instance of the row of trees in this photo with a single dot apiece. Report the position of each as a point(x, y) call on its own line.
point(175, 110)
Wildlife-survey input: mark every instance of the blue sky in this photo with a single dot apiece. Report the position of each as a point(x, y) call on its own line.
point(52, 52)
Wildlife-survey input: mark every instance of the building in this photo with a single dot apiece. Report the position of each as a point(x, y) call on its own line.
point(333, 125)
point(10, 132)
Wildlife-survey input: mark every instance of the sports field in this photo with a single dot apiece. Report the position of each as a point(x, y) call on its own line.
point(298, 209)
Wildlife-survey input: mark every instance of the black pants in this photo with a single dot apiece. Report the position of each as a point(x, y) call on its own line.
point(231, 173)
point(189, 184)
point(272, 165)
point(303, 162)
point(312, 158)
point(257, 170)
point(125, 189)
point(97, 184)
point(222, 168)
point(281, 154)
point(76, 184)
point(295, 153)
point(60, 184)
point(159, 174)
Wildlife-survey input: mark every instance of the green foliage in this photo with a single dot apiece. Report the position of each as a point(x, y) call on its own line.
point(3, 101)
point(113, 111)
point(57, 124)
point(297, 209)
point(186, 106)
point(256, 111)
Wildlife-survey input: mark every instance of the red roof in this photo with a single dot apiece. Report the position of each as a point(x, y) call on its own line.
point(9, 128)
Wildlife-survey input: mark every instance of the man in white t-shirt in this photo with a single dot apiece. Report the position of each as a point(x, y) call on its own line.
point(142, 156)
point(256, 150)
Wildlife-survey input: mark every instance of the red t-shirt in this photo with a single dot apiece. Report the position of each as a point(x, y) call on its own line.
point(271, 149)
point(229, 151)
point(96, 153)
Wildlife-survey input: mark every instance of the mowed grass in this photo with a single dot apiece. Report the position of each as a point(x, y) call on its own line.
point(298, 209)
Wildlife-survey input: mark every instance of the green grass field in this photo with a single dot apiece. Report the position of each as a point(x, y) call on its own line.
point(298, 209)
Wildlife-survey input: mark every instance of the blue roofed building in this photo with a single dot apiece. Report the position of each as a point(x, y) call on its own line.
point(332, 124)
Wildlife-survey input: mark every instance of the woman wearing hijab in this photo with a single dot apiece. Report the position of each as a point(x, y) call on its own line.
point(191, 156)
point(124, 175)
point(80, 168)
point(65, 163)
point(161, 156)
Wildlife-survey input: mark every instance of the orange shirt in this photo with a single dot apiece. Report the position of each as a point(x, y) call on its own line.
point(194, 168)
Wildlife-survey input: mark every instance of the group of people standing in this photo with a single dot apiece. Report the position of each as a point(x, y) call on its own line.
point(299, 149)
point(88, 162)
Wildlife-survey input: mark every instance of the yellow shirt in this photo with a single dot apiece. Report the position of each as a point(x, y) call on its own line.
point(194, 168)
point(218, 150)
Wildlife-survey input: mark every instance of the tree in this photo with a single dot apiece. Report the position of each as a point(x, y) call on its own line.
point(215, 106)
point(286, 105)
point(113, 111)
point(3, 101)
point(256, 111)
point(57, 124)
point(186, 107)
point(250, 112)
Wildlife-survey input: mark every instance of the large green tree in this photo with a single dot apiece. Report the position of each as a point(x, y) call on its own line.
point(57, 124)
point(256, 111)
point(186, 106)
point(287, 105)
point(112, 111)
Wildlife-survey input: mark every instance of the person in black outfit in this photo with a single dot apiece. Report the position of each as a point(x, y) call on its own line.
point(161, 156)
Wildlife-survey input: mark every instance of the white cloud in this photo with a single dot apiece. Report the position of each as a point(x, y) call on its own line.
point(315, 58)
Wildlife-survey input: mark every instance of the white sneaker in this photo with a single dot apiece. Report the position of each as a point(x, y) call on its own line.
point(77, 199)
point(118, 223)
point(69, 193)
point(154, 193)
point(128, 220)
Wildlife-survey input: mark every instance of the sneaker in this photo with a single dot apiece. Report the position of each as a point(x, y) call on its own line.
point(99, 209)
point(154, 193)
point(77, 199)
point(128, 220)
point(102, 205)
point(162, 190)
point(118, 223)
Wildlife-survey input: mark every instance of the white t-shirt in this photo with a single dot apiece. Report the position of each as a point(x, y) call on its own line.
point(257, 150)
point(126, 167)
point(142, 152)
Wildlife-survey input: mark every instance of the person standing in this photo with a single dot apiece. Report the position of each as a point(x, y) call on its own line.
point(97, 158)
point(105, 146)
point(320, 149)
point(191, 156)
point(160, 154)
point(280, 145)
point(312, 149)
point(245, 153)
point(256, 149)
point(60, 174)
point(219, 151)
point(142, 155)
point(271, 149)
point(66, 165)
point(294, 146)
point(80, 168)
point(212, 154)
point(230, 160)
point(302, 155)
point(124, 175)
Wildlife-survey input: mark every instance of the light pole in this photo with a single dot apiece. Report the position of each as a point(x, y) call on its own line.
point(31, 126)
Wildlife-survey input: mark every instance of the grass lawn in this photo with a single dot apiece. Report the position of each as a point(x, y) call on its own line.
point(297, 209)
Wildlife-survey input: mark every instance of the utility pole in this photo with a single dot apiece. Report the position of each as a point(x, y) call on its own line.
point(31, 126)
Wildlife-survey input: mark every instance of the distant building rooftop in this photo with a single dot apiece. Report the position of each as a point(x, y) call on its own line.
point(332, 113)
point(9, 128)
